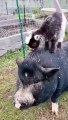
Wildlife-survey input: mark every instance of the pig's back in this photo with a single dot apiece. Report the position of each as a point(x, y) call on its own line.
point(56, 60)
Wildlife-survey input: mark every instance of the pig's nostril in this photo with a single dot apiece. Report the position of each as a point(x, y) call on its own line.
point(23, 105)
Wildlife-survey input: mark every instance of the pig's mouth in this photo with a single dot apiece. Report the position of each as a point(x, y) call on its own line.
point(23, 106)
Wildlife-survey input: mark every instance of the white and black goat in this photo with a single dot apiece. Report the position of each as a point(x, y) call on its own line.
point(51, 33)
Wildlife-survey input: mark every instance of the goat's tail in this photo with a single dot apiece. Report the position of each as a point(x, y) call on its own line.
point(59, 9)
point(57, 6)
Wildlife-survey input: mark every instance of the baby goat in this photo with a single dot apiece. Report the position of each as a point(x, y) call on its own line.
point(51, 33)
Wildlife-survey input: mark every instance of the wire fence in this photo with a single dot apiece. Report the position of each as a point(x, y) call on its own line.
point(9, 23)
point(9, 6)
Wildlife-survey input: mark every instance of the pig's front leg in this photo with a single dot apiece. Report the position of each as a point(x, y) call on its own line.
point(55, 108)
point(55, 105)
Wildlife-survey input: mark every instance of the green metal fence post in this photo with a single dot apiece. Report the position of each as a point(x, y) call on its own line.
point(20, 20)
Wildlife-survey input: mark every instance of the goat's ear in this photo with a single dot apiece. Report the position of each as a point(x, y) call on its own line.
point(27, 39)
point(48, 71)
point(19, 61)
point(37, 37)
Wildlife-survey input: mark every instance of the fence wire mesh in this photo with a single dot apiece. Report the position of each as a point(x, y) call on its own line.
point(9, 23)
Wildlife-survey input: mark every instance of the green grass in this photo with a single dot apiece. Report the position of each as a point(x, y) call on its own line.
point(66, 36)
point(8, 77)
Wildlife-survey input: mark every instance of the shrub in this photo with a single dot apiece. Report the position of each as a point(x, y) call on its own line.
point(35, 10)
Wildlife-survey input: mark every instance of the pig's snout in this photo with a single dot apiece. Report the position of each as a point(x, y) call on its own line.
point(23, 104)
point(23, 99)
point(20, 105)
point(17, 105)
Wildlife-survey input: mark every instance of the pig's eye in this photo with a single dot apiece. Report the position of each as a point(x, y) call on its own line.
point(29, 74)
point(26, 74)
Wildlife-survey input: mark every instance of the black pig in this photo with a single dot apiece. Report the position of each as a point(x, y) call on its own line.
point(42, 76)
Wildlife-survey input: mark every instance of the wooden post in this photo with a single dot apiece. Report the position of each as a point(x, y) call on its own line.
point(6, 7)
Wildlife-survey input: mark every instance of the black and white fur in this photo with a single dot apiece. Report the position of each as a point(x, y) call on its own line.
point(51, 34)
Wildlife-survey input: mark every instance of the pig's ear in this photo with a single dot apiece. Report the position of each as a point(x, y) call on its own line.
point(49, 71)
point(27, 39)
point(19, 61)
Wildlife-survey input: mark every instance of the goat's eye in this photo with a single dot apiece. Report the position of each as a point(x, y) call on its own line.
point(36, 37)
